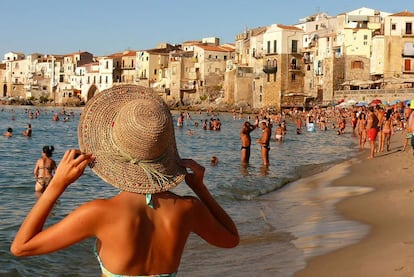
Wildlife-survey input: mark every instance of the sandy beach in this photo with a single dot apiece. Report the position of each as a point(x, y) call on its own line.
point(388, 249)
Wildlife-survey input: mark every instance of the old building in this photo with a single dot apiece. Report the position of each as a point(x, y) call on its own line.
point(318, 54)
point(399, 50)
point(245, 75)
point(152, 67)
point(283, 67)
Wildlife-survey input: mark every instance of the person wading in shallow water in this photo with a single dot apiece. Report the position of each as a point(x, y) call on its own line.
point(264, 140)
point(44, 168)
point(246, 141)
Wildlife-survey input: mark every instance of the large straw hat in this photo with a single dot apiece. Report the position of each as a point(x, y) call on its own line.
point(130, 132)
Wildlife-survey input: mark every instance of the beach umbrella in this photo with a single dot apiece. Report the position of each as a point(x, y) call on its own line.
point(375, 102)
point(395, 102)
point(340, 101)
point(351, 102)
point(361, 104)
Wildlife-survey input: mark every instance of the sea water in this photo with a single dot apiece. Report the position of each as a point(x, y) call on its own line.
point(281, 221)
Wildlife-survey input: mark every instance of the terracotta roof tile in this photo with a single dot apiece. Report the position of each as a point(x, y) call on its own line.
point(287, 27)
point(404, 13)
point(215, 48)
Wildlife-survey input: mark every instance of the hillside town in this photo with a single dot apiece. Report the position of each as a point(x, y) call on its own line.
point(354, 56)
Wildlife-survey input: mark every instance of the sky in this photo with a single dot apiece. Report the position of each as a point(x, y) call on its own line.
point(104, 27)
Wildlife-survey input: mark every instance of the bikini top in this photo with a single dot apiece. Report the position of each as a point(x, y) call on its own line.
point(107, 273)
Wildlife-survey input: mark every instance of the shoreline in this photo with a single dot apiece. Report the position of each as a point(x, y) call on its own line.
point(388, 248)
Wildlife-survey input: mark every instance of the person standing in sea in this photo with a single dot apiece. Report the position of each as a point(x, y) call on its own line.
point(246, 141)
point(8, 133)
point(264, 140)
point(44, 169)
point(28, 131)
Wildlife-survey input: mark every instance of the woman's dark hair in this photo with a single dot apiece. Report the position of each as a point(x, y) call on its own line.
point(388, 114)
point(48, 150)
point(10, 130)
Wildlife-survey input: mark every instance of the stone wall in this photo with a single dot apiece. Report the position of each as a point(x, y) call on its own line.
point(367, 95)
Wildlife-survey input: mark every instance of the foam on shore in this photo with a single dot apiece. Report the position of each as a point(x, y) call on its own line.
point(388, 209)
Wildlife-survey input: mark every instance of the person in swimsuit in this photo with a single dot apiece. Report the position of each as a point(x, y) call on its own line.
point(28, 131)
point(246, 141)
point(44, 168)
point(362, 129)
point(387, 131)
point(372, 130)
point(264, 141)
point(143, 229)
point(279, 133)
point(407, 129)
point(8, 133)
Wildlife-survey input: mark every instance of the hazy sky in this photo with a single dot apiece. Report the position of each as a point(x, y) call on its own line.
point(104, 27)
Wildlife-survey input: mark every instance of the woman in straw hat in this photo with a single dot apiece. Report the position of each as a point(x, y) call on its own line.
point(126, 135)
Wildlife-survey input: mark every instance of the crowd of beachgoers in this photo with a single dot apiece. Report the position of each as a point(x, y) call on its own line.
point(351, 119)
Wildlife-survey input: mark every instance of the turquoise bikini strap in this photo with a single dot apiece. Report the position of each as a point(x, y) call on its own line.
point(148, 200)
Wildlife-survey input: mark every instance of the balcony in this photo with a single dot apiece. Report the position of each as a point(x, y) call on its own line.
point(294, 67)
point(188, 90)
point(258, 56)
point(269, 69)
point(308, 60)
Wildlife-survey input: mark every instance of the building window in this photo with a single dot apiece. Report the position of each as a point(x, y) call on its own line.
point(268, 47)
point(107, 65)
point(357, 65)
point(408, 28)
point(293, 77)
point(394, 27)
point(260, 98)
point(268, 77)
point(106, 79)
point(275, 46)
point(407, 65)
point(365, 37)
point(294, 46)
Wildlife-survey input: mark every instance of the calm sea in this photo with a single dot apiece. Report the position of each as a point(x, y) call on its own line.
point(280, 225)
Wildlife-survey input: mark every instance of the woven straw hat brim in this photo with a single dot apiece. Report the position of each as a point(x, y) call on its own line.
point(95, 135)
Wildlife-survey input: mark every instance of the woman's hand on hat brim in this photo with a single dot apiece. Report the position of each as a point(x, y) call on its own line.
point(195, 178)
point(72, 166)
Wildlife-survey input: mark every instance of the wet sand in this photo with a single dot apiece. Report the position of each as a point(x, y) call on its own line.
point(388, 249)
